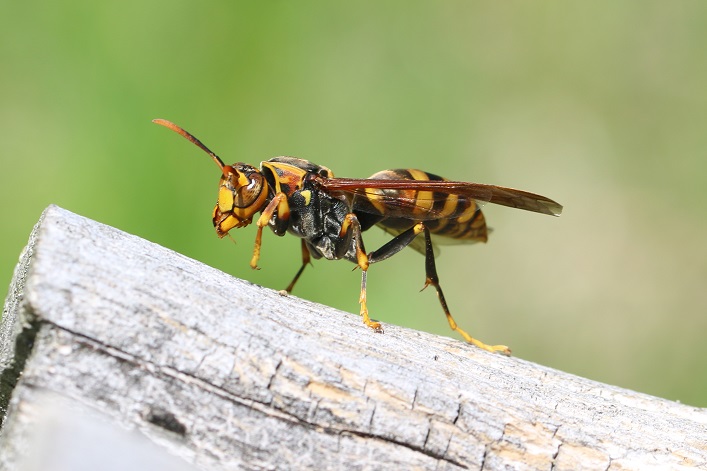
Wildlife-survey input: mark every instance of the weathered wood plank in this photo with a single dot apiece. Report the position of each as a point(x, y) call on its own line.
point(229, 375)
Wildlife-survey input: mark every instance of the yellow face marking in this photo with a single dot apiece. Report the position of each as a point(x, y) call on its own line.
point(243, 180)
point(307, 194)
point(225, 199)
point(227, 224)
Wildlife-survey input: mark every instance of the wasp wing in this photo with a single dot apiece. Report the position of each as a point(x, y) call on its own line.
point(426, 199)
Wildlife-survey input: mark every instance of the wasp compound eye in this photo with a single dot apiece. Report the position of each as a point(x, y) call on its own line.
point(247, 195)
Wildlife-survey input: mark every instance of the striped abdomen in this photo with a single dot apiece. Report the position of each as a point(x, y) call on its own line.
point(446, 214)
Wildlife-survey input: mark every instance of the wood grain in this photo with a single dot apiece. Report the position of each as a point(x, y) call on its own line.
point(229, 375)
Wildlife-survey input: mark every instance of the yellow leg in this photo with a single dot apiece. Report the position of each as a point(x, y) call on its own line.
point(351, 231)
point(432, 279)
point(491, 348)
point(376, 326)
point(278, 202)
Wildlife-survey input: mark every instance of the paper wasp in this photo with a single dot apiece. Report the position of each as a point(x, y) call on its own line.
point(329, 214)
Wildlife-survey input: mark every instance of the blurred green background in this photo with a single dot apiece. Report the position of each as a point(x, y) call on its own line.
point(599, 105)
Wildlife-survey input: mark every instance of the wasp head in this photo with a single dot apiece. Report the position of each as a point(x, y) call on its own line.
point(242, 192)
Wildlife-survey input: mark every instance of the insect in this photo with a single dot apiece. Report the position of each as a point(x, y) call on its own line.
point(329, 214)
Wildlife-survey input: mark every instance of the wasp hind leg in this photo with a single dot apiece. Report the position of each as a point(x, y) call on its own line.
point(433, 279)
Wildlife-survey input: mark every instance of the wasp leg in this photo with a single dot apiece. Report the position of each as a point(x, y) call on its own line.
point(396, 244)
point(305, 262)
point(433, 279)
point(278, 202)
point(351, 234)
point(401, 241)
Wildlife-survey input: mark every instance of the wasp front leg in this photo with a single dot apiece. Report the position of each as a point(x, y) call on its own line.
point(279, 203)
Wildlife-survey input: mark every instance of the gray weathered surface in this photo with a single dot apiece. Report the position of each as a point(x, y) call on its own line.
point(228, 375)
point(69, 436)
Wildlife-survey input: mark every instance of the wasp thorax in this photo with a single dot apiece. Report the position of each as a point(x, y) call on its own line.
point(242, 192)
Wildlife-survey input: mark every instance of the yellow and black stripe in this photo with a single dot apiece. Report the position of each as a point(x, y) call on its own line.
point(447, 215)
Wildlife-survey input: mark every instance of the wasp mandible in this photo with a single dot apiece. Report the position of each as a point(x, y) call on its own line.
point(329, 214)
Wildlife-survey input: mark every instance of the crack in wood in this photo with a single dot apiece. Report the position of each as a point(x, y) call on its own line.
point(554, 457)
point(274, 375)
point(24, 344)
point(483, 457)
point(262, 407)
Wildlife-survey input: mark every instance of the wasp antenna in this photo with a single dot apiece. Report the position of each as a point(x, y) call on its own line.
point(189, 137)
